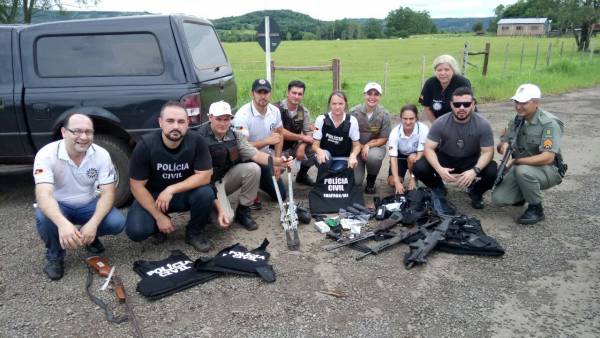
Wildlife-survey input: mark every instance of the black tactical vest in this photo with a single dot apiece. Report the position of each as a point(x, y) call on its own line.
point(336, 140)
point(224, 154)
point(294, 125)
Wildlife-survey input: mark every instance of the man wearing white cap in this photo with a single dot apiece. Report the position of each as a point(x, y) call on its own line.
point(234, 167)
point(536, 156)
point(374, 126)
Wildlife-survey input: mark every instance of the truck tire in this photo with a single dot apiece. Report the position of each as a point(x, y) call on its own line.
point(119, 153)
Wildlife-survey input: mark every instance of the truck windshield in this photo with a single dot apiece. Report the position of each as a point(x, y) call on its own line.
point(208, 55)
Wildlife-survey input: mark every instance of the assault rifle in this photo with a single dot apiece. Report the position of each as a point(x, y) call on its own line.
point(381, 227)
point(396, 239)
point(508, 154)
point(101, 266)
point(421, 248)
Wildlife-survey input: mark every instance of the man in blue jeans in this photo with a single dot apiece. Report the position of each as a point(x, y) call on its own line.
point(67, 173)
point(170, 171)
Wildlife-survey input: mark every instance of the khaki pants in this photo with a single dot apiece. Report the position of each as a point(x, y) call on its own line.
point(525, 182)
point(246, 178)
point(373, 164)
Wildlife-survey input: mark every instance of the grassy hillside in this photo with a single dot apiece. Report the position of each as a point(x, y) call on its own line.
point(364, 61)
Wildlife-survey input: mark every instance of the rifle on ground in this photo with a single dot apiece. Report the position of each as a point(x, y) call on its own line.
point(103, 268)
point(421, 248)
point(398, 238)
point(508, 154)
point(381, 227)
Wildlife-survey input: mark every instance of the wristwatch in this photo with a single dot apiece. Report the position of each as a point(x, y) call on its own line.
point(476, 170)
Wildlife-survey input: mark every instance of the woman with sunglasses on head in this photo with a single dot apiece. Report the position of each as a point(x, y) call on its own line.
point(405, 147)
point(437, 90)
point(459, 149)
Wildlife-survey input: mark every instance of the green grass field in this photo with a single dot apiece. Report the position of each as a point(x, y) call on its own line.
point(364, 60)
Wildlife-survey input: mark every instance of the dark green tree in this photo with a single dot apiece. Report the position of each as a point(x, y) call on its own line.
point(10, 9)
point(372, 29)
point(403, 22)
point(477, 26)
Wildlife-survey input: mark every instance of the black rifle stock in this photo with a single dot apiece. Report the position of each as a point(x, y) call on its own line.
point(421, 248)
point(508, 154)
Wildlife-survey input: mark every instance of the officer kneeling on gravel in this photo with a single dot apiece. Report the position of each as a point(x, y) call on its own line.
point(67, 173)
point(536, 156)
point(170, 171)
point(235, 166)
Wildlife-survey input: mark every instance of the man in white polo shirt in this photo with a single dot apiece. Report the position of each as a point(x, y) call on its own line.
point(67, 173)
point(260, 122)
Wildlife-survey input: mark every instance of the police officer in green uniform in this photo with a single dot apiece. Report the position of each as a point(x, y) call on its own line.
point(374, 126)
point(297, 130)
point(235, 165)
point(536, 159)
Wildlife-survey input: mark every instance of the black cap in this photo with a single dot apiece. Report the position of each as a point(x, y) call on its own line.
point(261, 84)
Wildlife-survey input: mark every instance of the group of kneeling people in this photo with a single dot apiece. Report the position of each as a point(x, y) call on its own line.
point(178, 168)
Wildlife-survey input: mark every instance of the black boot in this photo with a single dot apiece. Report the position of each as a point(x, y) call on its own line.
point(243, 218)
point(96, 247)
point(55, 269)
point(533, 214)
point(303, 178)
point(370, 188)
point(476, 198)
point(199, 241)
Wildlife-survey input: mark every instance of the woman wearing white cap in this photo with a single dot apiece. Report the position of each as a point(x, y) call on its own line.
point(437, 90)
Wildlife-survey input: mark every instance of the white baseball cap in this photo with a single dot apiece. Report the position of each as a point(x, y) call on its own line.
point(527, 92)
point(372, 85)
point(220, 108)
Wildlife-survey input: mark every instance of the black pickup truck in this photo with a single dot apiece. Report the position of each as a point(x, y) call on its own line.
point(119, 71)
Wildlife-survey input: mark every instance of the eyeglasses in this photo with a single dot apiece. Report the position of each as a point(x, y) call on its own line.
point(464, 104)
point(79, 132)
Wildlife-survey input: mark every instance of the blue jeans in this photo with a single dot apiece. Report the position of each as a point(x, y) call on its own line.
point(140, 224)
point(266, 183)
point(112, 224)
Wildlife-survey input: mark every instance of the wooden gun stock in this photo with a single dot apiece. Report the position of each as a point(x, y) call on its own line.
point(101, 265)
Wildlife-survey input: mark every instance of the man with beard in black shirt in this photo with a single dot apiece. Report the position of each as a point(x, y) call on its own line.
point(170, 171)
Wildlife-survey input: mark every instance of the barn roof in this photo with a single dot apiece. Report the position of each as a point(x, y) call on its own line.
point(522, 21)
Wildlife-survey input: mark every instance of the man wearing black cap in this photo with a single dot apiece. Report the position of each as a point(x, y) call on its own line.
point(260, 122)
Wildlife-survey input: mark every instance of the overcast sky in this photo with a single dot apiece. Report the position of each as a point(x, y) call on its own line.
point(318, 9)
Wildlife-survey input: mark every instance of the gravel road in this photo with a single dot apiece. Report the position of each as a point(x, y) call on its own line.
point(546, 285)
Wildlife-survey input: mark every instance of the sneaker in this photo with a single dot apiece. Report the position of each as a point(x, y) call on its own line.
point(243, 218)
point(256, 205)
point(96, 247)
point(159, 238)
point(55, 269)
point(199, 242)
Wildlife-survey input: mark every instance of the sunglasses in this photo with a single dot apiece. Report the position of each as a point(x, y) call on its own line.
point(464, 104)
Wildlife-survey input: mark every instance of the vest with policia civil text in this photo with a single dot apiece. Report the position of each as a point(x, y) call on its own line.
point(293, 124)
point(225, 154)
point(336, 140)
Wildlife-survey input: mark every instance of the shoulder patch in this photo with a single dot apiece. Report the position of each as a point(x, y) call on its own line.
point(548, 144)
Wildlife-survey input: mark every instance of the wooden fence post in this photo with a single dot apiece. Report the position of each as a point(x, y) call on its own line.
point(385, 77)
point(562, 45)
point(336, 69)
point(465, 58)
point(548, 54)
point(537, 54)
point(273, 73)
point(522, 53)
point(505, 58)
point(486, 58)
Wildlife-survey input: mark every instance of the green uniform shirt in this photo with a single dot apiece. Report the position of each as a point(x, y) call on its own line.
point(542, 133)
point(378, 126)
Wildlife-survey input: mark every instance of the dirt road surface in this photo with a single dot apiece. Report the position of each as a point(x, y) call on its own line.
point(546, 285)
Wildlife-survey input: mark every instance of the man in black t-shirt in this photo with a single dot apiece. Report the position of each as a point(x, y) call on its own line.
point(459, 148)
point(170, 171)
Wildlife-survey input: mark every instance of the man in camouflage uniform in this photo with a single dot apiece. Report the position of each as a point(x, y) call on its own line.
point(537, 157)
point(297, 130)
point(374, 126)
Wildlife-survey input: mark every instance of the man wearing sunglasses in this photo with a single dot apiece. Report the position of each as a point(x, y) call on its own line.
point(537, 161)
point(69, 214)
point(459, 150)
